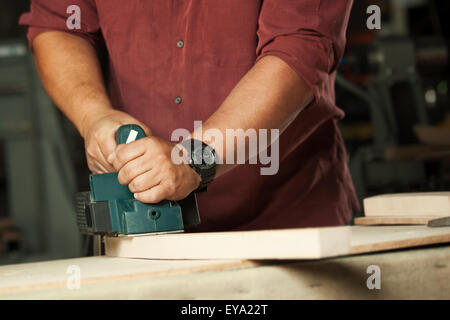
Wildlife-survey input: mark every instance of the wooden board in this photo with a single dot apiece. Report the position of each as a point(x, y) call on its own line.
point(295, 244)
point(366, 239)
point(51, 275)
point(310, 243)
point(408, 274)
point(436, 204)
point(411, 273)
point(393, 220)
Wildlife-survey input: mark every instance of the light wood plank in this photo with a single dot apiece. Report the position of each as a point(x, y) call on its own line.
point(51, 275)
point(435, 204)
point(366, 239)
point(393, 220)
point(107, 277)
point(311, 243)
point(296, 244)
point(409, 274)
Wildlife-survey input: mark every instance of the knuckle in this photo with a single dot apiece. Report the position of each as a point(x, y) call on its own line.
point(127, 172)
point(148, 141)
point(171, 187)
point(160, 157)
point(135, 185)
point(119, 156)
point(122, 179)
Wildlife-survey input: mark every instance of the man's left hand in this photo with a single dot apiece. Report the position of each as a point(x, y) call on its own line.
point(146, 166)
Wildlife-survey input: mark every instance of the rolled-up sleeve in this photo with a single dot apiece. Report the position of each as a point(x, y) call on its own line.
point(309, 35)
point(51, 15)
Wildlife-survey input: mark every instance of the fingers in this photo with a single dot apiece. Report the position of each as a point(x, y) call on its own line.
point(107, 145)
point(144, 182)
point(134, 168)
point(95, 168)
point(153, 195)
point(96, 160)
point(125, 153)
point(101, 161)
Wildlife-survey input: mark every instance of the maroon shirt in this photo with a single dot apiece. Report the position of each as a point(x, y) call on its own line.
point(221, 40)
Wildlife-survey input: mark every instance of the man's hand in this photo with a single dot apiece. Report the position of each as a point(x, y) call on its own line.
point(99, 137)
point(146, 166)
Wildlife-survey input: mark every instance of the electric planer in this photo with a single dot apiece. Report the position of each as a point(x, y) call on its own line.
point(111, 209)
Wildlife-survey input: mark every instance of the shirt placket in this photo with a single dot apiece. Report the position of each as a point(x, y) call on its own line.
point(178, 47)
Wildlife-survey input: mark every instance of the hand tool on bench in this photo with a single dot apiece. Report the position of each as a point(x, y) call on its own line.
point(109, 208)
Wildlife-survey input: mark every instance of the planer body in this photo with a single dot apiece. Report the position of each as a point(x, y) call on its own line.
point(109, 208)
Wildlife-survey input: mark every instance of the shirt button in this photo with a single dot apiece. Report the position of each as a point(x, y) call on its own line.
point(178, 100)
point(180, 44)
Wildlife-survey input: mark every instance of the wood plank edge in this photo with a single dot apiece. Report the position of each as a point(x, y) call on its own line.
point(399, 244)
point(392, 220)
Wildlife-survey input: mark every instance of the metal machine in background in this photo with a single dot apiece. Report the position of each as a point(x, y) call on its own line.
point(40, 177)
point(392, 89)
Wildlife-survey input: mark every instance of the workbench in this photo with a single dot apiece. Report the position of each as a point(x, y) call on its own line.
point(419, 273)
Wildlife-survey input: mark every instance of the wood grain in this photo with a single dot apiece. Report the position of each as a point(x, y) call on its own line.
point(408, 274)
point(50, 275)
point(367, 239)
point(118, 278)
point(435, 204)
point(393, 220)
point(310, 243)
point(294, 244)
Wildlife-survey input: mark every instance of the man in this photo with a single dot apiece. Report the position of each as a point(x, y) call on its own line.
point(250, 65)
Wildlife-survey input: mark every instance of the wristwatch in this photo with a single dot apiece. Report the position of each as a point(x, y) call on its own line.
point(203, 159)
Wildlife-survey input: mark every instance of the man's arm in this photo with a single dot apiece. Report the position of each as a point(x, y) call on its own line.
point(269, 96)
point(70, 72)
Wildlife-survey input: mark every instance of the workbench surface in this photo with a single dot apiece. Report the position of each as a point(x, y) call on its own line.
point(405, 274)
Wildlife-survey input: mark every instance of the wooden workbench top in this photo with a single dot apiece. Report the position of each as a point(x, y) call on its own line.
point(411, 273)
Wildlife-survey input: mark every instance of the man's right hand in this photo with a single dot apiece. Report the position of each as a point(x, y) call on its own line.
point(99, 131)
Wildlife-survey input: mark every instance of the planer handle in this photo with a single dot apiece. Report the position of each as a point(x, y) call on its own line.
point(129, 133)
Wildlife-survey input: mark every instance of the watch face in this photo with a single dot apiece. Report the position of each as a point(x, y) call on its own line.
point(209, 157)
point(201, 155)
point(197, 156)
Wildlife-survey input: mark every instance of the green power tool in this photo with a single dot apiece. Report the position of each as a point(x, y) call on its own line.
point(110, 208)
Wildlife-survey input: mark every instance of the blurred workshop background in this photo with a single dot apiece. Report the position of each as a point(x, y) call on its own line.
point(393, 85)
